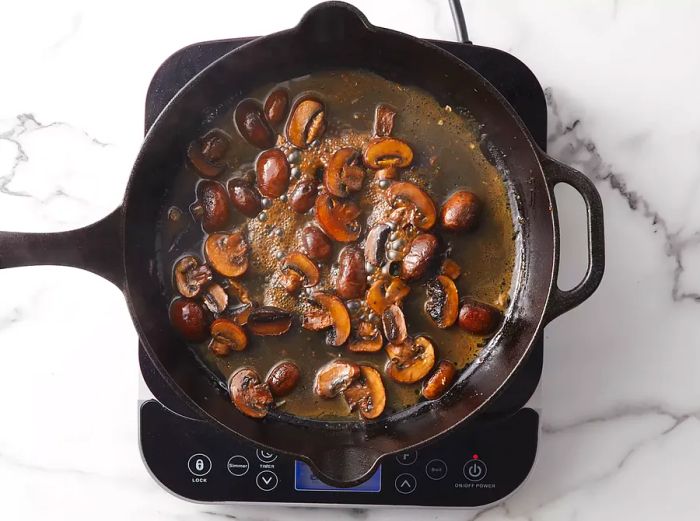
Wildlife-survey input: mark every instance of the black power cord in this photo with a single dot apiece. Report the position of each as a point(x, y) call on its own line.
point(460, 23)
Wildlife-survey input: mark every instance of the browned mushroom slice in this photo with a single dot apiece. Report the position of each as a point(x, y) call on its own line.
point(478, 318)
point(306, 122)
point(451, 269)
point(390, 173)
point(237, 290)
point(276, 105)
point(189, 318)
point(351, 280)
point(227, 253)
point(366, 393)
point(241, 313)
point(338, 218)
point(344, 173)
point(340, 330)
point(394, 325)
point(407, 193)
point(272, 172)
point(249, 394)
point(317, 245)
point(215, 298)
point(383, 152)
point(269, 321)
point(367, 338)
point(252, 125)
point(384, 293)
point(303, 195)
point(384, 120)
point(410, 361)
point(226, 336)
point(461, 212)
point(420, 256)
point(244, 197)
point(297, 271)
point(207, 153)
point(442, 304)
point(375, 244)
point(211, 206)
point(283, 378)
point(190, 276)
point(316, 320)
point(441, 379)
point(334, 377)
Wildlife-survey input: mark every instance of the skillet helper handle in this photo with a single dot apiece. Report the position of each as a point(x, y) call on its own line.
point(561, 301)
point(96, 248)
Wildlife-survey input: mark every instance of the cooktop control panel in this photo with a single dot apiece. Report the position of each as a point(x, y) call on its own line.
point(472, 466)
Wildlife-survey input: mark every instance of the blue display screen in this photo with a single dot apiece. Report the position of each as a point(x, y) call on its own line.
point(305, 481)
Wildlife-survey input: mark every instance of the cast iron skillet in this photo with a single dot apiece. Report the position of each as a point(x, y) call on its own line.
point(121, 247)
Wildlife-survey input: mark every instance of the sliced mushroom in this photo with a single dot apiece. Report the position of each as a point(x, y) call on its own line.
point(385, 292)
point(442, 304)
point(269, 321)
point(441, 379)
point(384, 120)
point(227, 253)
point(226, 336)
point(383, 152)
point(461, 212)
point(272, 172)
point(207, 153)
point(297, 271)
point(316, 320)
point(276, 105)
point(212, 205)
point(190, 276)
point(389, 173)
point(394, 324)
point(407, 193)
point(340, 330)
point(451, 269)
point(215, 298)
point(334, 377)
point(249, 394)
point(375, 244)
point(478, 318)
point(306, 122)
point(344, 173)
point(189, 319)
point(338, 218)
point(240, 314)
point(351, 280)
point(303, 196)
point(244, 197)
point(367, 393)
point(283, 378)
point(316, 244)
point(237, 290)
point(410, 361)
point(252, 125)
point(421, 254)
point(367, 338)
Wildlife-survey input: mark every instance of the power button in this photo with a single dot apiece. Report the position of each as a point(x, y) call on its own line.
point(474, 470)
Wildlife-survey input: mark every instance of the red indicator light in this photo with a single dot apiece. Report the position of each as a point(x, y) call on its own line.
point(475, 456)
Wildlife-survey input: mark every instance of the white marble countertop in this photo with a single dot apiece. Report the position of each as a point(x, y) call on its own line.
point(621, 392)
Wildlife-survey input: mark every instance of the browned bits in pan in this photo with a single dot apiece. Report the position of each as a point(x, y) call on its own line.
point(227, 253)
point(272, 170)
point(207, 153)
point(190, 276)
point(276, 106)
point(189, 319)
point(307, 122)
point(478, 318)
point(244, 197)
point(334, 377)
point(352, 277)
point(283, 378)
point(443, 302)
point(366, 393)
point(461, 212)
point(252, 125)
point(226, 336)
point(440, 380)
point(249, 394)
point(384, 120)
point(451, 269)
point(269, 321)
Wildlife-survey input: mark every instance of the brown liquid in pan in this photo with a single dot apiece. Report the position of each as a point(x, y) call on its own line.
point(446, 157)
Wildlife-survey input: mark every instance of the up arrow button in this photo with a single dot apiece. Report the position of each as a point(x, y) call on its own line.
point(405, 483)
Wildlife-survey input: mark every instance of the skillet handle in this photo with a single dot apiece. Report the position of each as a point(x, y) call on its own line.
point(96, 248)
point(344, 466)
point(562, 301)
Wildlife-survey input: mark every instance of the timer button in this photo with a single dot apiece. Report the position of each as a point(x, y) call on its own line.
point(199, 464)
point(407, 458)
point(265, 456)
point(474, 470)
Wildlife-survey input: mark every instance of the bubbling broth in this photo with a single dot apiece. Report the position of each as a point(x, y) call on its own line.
point(347, 226)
